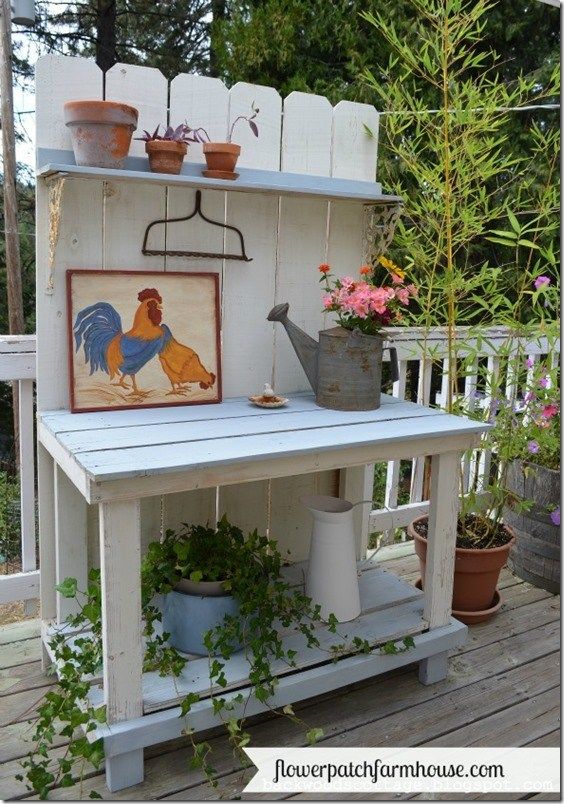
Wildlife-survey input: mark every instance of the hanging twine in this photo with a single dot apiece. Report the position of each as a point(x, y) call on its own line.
point(55, 197)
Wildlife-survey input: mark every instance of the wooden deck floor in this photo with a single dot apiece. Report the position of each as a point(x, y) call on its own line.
point(502, 689)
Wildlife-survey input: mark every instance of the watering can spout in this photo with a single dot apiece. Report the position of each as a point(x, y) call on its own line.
point(305, 347)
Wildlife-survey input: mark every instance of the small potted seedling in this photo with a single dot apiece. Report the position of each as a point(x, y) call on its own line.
point(221, 157)
point(166, 151)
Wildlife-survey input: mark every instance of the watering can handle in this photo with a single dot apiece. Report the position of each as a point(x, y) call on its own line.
point(394, 365)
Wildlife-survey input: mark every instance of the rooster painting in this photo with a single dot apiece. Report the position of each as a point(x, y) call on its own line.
point(100, 339)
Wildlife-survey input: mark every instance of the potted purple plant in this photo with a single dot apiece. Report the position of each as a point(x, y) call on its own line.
point(166, 151)
point(221, 157)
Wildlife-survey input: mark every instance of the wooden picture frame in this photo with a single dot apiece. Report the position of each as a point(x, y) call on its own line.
point(166, 352)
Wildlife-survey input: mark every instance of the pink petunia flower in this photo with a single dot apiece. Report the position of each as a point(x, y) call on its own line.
point(542, 282)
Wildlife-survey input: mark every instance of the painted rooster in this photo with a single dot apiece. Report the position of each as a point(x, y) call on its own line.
point(121, 354)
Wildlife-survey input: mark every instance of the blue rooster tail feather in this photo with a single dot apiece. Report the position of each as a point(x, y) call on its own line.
point(96, 326)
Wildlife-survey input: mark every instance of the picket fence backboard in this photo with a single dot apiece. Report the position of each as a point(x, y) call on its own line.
point(101, 225)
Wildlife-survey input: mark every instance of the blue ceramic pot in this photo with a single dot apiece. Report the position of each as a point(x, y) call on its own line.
point(187, 617)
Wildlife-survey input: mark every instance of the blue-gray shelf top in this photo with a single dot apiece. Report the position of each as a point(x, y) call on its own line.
point(55, 163)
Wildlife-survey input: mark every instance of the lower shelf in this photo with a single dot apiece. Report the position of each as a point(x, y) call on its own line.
point(391, 610)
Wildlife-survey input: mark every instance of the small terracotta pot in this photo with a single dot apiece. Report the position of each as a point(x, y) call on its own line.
point(101, 131)
point(166, 156)
point(476, 572)
point(221, 155)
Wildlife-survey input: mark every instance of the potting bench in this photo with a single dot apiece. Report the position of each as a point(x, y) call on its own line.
point(110, 481)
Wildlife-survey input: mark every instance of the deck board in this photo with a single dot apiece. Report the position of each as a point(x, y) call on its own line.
point(502, 689)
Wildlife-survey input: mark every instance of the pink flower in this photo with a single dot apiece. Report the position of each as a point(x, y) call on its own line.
point(542, 282)
point(328, 301)
point(402, 294)
point(544, 382)
point(412, 290)
point(549, 411)
point(533, 447)
point(555, 516)
point(397, 280)
point(529, 362)
point(347, 281)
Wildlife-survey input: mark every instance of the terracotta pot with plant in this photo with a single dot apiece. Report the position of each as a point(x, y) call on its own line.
point(166, 151)
point(221, 157)
point(523, 415)
point(100, 131)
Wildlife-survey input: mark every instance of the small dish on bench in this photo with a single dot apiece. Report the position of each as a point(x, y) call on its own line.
point(268, 399)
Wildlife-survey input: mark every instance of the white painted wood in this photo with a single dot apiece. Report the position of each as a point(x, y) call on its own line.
point(59, 79)
point(443, 513)
point(485, 459)
point(120, 551)
point(19, 586)
point(356, 484)
point(71, 547)
point(423, 395)
point(393, 468)
point(306, 134)
point(128, 209)
point(354, 151)
point(27, 475)
point(264, 469)
point(249, 288)
point(191, 508)
point(124, 770)
point(14, 344)
point(218, 428)
point(46, 500)
point(433, 668)
point(146, 89)
point(165, 725)
point(17, 365)
point(200, 101)
point(469, 463)
point(353, 155)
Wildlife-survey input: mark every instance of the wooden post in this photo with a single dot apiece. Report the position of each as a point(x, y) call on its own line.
point(16, 323)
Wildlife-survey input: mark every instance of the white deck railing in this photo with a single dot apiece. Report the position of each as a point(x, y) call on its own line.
point(17, 363)
point(426, 353)
point(423, 355)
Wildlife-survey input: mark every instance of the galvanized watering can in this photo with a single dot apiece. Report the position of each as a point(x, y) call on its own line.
point(344, 368)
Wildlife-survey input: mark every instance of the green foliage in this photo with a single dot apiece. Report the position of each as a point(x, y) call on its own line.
point(269, 606)
point(66, 708)
point(10, 525)
point(458, 168)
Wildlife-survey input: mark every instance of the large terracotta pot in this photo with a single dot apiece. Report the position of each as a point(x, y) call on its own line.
point(476, 572)
point(221, 156)
point(166, 156)
point(101, 131)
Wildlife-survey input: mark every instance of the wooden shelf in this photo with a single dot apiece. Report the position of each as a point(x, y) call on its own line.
point(60, 164)
point(391, 610)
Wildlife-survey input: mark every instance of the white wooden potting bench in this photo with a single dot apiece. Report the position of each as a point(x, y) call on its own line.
point(109, 482)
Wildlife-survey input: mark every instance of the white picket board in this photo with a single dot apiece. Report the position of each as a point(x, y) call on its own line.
point(354, 150)
point(59, 79)
point(201, 102)
point(249, 288)
point(128, 209)
point(394, 467)
point(353, 155)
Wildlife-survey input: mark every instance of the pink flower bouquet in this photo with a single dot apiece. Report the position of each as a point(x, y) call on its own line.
point(360, 304)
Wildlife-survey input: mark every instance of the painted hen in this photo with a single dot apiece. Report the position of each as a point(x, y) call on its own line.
point(121, 354)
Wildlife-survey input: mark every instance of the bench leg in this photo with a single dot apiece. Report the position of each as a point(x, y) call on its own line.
point(433, 669)
point(120, 559)
point(124, 770)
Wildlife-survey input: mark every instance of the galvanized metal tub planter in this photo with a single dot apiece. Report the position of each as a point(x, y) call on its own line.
point(188, 616)
point(344, 368)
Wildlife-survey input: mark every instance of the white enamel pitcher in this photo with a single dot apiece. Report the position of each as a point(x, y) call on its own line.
point(332, 579)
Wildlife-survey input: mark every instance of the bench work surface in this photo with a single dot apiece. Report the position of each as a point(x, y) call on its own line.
point(98, 448)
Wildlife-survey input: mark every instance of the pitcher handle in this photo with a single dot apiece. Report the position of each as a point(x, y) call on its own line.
point(394, 365)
